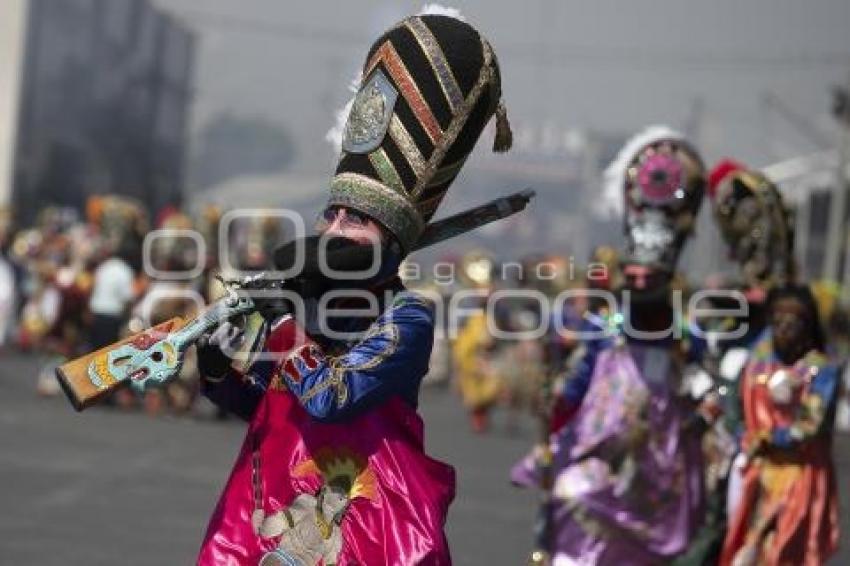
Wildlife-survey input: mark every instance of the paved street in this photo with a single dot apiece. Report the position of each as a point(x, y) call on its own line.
point(104, 487)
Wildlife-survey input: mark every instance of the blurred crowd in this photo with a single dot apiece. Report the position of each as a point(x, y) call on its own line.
point(511, 364)
point(72, 283)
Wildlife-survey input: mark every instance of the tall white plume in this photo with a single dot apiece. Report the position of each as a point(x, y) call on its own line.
point(440, 10)
point(334, 135)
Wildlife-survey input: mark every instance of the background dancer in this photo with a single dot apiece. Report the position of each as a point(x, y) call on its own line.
point(627, 472)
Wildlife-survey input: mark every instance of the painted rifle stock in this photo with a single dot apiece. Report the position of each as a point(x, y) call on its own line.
point(86, 380)
point(149, 359)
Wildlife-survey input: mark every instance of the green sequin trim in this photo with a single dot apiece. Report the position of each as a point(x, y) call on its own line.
point(386, 170)
point(393, 210)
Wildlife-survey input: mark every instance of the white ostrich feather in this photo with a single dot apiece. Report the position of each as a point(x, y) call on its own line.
point(334, 135)
point(440, 10)
point(614, 179)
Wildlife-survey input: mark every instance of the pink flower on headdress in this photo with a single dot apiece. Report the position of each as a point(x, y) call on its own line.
point(660, 178)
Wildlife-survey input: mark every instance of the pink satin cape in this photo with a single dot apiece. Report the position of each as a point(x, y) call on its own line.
point(399, 521)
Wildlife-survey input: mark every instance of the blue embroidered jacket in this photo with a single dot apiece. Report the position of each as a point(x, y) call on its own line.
point(390, 358)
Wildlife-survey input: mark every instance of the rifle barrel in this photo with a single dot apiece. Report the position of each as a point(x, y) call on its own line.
point(473, 218)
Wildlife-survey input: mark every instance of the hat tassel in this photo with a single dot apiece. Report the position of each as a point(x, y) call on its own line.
point(504, 136)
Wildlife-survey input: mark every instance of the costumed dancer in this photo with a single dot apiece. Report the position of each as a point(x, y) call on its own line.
point(757, 227)
point(333, 469)
point(626, 473)
point(788, 512)
point(473, 351)
point(521, 357)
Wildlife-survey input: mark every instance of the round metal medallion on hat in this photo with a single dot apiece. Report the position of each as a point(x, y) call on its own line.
point(370, 115)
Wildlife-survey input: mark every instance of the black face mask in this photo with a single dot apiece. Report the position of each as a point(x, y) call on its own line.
point(312, 280)
point(342, 255)
point(649, 309)
point(649, 297)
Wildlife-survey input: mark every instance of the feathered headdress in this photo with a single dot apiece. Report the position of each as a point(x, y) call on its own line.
point(656, 182)
point(614, 178)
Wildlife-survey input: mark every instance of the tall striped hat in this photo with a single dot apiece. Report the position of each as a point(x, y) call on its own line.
point(427, 90)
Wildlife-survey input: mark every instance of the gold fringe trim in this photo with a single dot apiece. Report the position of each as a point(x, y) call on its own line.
point(485, 79)
point(504, 136)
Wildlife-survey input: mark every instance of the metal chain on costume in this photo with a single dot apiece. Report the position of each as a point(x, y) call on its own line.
point(256, 478)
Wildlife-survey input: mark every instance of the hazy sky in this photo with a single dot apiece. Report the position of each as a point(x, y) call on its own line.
point(611, 66)
point(603, 66)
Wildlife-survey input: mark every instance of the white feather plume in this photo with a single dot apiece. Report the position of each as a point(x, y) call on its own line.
point(611, 203)
point(440, 10)
point(334, 135)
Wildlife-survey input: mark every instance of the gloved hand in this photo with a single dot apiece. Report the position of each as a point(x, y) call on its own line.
point(213, 359)
point(274, 302)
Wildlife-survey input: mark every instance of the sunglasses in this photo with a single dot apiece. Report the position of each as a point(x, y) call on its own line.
point(349, 218)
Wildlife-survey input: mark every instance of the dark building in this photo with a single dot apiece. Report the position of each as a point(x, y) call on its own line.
point(104, 104)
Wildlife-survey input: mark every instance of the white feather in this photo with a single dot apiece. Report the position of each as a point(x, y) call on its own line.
point(440, 10)
point(334, 135)
point(611, 203)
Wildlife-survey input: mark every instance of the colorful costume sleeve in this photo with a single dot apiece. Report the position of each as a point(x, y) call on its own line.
point(814, 407)
point(391, 359)
point(697, 348)
point(733, 405)
point(578, 382)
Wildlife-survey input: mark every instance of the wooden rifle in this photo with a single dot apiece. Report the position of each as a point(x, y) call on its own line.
point(154, 357)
